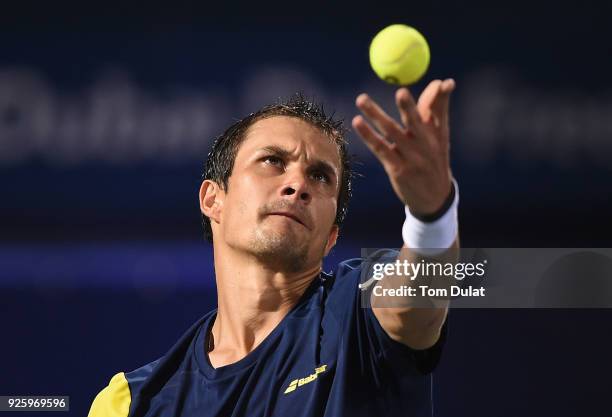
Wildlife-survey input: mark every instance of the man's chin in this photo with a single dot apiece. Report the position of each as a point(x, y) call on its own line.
point(284, 248)
point(276, 240)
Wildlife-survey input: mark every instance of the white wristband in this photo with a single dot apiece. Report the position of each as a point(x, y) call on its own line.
point(435, 237)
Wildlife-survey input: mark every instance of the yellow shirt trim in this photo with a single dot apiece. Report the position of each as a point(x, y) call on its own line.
point(114, 400)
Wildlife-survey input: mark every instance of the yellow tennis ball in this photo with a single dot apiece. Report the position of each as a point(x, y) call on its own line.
point(399, 54)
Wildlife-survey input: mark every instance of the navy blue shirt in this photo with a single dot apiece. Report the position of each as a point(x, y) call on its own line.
point(327, 357)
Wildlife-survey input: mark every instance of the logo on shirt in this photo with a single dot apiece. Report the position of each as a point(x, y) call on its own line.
point(306, 380)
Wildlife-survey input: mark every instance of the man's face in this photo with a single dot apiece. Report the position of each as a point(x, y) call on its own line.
point(282, 196)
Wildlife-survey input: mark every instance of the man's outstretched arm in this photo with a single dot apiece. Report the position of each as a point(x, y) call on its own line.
point(415, 153)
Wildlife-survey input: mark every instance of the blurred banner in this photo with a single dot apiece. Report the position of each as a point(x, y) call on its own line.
point(103, 134)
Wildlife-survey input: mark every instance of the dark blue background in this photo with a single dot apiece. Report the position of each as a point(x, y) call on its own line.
point(102, 262)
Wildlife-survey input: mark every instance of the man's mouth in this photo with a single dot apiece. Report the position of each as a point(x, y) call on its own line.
point(291, 216)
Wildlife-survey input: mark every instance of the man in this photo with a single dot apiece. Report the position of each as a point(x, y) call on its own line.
point(286, 338)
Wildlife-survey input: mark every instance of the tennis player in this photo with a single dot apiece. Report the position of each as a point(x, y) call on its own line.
point(288, 339)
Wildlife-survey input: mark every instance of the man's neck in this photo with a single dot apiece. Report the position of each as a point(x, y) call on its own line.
point(252, 301)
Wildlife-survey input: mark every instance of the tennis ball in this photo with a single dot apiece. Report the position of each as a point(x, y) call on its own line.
point(399, 54)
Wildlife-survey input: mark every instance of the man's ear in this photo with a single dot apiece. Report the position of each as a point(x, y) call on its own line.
point(331, 241)
point(211, 200)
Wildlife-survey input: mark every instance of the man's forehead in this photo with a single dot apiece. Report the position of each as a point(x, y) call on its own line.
point(287, 132)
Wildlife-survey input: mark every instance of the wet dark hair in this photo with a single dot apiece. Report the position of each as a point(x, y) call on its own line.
point(220, 160)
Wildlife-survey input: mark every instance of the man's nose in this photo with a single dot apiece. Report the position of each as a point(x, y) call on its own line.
point(297, 188)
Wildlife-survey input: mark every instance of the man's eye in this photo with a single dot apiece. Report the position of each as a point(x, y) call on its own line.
point(273, 160)
point(320, 176)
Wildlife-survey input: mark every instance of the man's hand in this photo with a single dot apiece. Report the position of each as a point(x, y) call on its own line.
point(415, 152)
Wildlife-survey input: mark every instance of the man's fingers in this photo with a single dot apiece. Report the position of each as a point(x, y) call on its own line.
point(377, 116)
point(408, 110)
point(427, 98)
point(441, 102)
point(404, 116)
point(383, 150)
